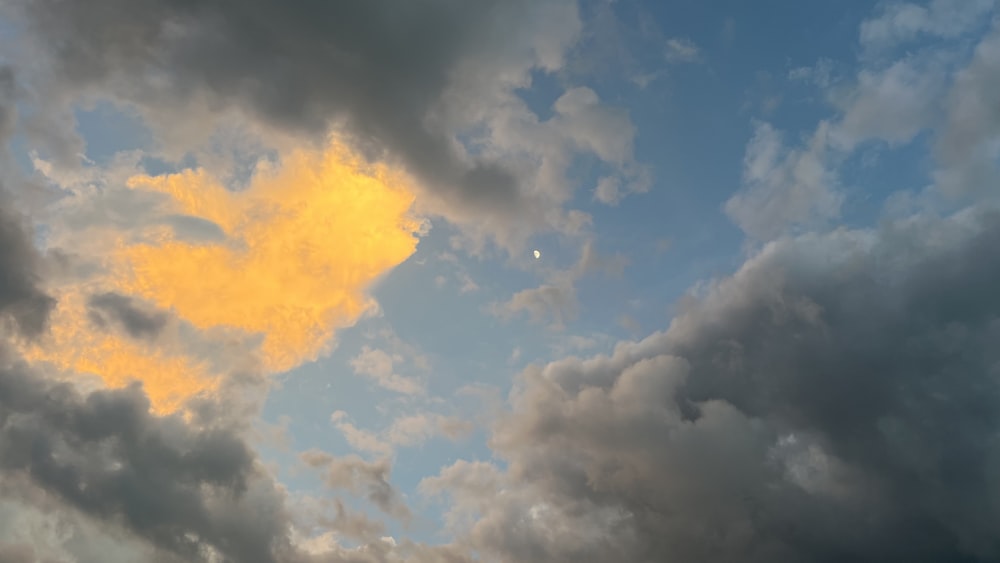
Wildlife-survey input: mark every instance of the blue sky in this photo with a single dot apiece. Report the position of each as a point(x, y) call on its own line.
point(678, 165)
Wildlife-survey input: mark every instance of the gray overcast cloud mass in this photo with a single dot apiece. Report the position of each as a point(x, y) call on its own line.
point(837, 399)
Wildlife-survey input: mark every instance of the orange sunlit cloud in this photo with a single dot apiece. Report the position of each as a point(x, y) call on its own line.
point(304, 243)
point(75, 345)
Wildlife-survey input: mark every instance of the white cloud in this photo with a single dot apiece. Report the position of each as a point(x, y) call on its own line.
point(894, 103)
point(379, 366)
point(359, 439)
point(900, 22)
point(785, 188)
point(405, 431)
point(968, 147)
point(682, 50)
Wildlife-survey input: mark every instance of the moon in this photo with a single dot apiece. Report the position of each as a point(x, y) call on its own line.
point(537, 255)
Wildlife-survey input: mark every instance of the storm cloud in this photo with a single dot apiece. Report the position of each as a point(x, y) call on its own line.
point(836, 399)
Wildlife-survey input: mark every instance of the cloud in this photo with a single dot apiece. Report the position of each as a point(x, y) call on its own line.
point(682, 50)
point(356, 475)
point(836, 398)
point(74, 346)
point(379, 366)
point(185, 490)
point(966, 148)
point(359, 439)
point(305, 242)
point(22, 300)
point(405, 85)
point(406, 431)
point(415, 429)
point(784, 188)
point(902, 22)
point(555, 300)
point(106, 308)
point(96, 477)
point(893, 103)
point(301, 246)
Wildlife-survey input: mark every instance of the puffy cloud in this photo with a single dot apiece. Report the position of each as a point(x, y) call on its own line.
point(122, 484)
point(177, 487)
point(893, 103)
point(379, 366)
point(305, 241)
point(902, 22)
point(967, 146)
point(784, 187)
point(96, 476)
point(408, 82)
point(298, 249)
point(22, 300)
point(836, 398)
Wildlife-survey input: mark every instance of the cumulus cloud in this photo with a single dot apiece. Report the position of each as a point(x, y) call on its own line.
point(902, 22)
point(379, 365)
point(105, 455)
point(405, 83)
point(784, 188)
point(967, 146)
point(161, 489)
point(22, 300)
point(124, 484)
point(836, 398)
point(272, 255)
point(893, 103)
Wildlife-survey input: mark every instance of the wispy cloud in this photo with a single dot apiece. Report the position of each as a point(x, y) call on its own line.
point(682, 50)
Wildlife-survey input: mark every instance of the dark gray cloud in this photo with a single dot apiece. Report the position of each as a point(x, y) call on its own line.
point(380, 67)
point(192, 489)
point(108, 308)
point(836, 399)
point(21, 298)
point(7, 97)
point(179, 487)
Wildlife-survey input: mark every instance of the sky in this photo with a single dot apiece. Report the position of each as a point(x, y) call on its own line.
point(533, 281)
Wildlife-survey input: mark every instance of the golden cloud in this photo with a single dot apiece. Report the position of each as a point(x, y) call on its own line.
point(304, 243)
point(74, 345)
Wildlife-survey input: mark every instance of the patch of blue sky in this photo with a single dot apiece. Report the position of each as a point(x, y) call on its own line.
point(109, 129)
